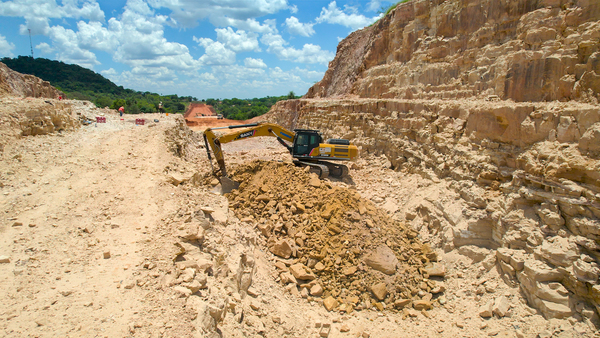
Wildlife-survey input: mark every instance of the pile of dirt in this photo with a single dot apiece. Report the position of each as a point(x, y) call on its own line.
point(334, 245)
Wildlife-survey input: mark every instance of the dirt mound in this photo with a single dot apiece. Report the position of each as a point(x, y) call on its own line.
point(333, 244)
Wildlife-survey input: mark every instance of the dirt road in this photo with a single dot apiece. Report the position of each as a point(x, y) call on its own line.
point(80, 211)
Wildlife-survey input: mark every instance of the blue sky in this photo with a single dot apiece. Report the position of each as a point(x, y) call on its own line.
point(202, 48)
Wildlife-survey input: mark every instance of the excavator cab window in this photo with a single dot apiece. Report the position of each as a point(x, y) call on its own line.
point(305, 142)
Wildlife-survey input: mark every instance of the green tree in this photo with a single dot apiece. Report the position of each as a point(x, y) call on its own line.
point(103, 101)
point(118, 103)
point(132, 108)
point(291, 95)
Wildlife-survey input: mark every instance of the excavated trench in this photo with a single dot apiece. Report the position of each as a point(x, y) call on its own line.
point(333, 245)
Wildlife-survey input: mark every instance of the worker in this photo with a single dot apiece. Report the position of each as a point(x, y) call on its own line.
point(160, 108)
point(121, 111)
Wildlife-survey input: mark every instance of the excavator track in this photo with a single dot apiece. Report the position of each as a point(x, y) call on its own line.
point(318, 168)
point(325, 169)
point(336, 170)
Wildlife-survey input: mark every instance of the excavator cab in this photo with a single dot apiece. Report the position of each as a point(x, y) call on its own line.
point(306, 140)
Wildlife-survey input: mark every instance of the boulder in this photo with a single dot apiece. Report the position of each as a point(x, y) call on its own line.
point(486, 311)
point(501, 306)
point(559, 251)
point(550, 215)
point(300, 271)
point(590, 140)
point(316, 290)
point(435, 269)
point(281, 248)
point(422, 305)
point(330, 303)
point(586, 271)
point(382, 259)
point(379, 290)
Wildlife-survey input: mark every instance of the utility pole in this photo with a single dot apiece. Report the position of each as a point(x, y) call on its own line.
point(30, 44)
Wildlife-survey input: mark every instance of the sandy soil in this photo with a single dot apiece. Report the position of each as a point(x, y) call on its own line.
point(92, 224)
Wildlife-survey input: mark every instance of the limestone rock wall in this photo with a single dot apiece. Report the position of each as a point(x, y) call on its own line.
point(522, 50)
point(23, 85)
point(526, 177)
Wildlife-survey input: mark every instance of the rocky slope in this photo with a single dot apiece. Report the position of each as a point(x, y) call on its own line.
point(497, 101)
point(524, 50)
point(23, 85)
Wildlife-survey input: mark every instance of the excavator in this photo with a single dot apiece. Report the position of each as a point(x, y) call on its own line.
point(307, 148)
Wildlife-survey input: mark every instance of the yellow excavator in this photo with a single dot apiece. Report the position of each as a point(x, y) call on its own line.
point(307, 148)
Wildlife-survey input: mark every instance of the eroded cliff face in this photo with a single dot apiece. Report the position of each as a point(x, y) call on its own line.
point(497, 100)
point(523, 50)
point(23, 85)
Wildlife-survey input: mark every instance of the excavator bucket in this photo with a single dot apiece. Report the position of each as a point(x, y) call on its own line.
point(227, 184)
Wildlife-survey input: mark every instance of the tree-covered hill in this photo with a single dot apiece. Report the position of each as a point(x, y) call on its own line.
point(84, 84)
point(69, 78)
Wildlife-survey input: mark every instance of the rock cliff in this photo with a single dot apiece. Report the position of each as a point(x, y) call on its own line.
point(523, 50)
point(30, 106)
point(499, 100)
point(23, 85)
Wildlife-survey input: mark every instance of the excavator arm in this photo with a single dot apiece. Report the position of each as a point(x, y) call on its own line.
point(248, 131)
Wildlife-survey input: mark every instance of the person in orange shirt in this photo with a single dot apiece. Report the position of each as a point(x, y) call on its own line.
point(121, 111)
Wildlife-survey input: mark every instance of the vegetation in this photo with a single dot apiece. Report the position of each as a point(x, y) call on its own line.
point(83, 84)
point(237, 109)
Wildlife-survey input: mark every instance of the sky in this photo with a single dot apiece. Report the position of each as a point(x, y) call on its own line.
point(200, 48)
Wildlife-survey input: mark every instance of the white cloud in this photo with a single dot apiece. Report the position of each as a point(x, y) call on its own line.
point(308, 54)
point(94, 36)
point(136, 39)
point(109, 72)
point(38, 26)
point(295, 27)
point(215, 53)
point(189, 12)
point(373, 5)
point(239, 41)
point(309, 74)
point(90, 10)
point(45, 48)
point(250, 25)
point(6, 47)
point(348, 17)
point(141, 42)
point(65, 44)
point(293, 9)
point(254, 63)
point(139, 7)
point(44, 9)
